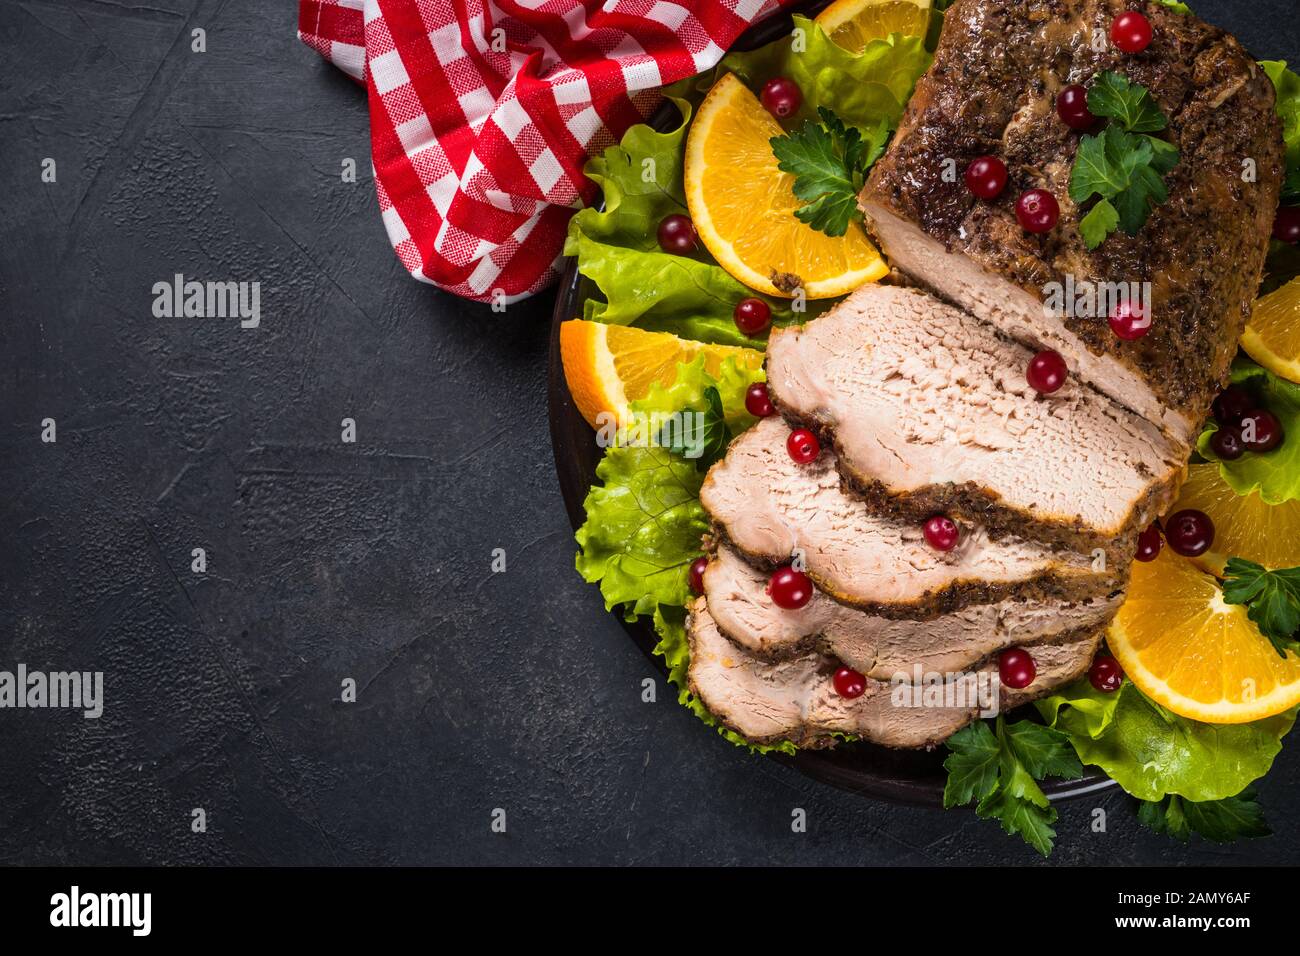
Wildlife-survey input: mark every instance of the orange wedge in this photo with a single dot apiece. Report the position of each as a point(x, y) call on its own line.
point(854, 23)
point(1245, 526)
point(743, 205)
point(1196, 655)
point(1272, 337)
point(609, 366)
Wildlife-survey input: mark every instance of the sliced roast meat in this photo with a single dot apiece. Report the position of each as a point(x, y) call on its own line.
point(991, 90)
point(795, 700)
point(878, 646)
point(769, 508)
point(931, 412)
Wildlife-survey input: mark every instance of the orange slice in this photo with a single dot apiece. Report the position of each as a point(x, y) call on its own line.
point(1245, 526)
point(609, 366)
point(1196, 655)
point(1272, 337)
point(854, 23)
point(743, 205)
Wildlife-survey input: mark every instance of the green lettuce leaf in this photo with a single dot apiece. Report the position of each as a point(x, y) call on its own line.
point(645, 524)
point(618, 250)
point(1275, 475)
point(644, 521)
point(1287, 85)
point(640, 179)
point(643, 529)
point(689, 388)
point(861, 88)
point(665, 293)
point(1152, 753)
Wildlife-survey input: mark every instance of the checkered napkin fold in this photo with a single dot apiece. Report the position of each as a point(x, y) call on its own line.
point(483, 113)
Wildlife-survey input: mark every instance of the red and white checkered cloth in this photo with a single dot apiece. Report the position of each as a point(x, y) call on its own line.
point(482, 114)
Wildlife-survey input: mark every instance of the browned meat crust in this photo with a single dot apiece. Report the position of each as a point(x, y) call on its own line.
point(991, 89)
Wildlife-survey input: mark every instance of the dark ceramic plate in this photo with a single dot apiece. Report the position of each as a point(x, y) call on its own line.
point(909, 777)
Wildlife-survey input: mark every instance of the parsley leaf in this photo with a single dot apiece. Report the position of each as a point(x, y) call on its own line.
point(1145, 192)
point(1272, 600)
point(716, 434)
point(1105, 163)
point(1164, 155)
point(1042, 752)
point(1000, 770)
point(1130, 104)
point(1221, 821)
point(1100, 222)
point(1165, 817)
point(972, 767)
point(701, 436)
point(1122, 164)
point(829, 161)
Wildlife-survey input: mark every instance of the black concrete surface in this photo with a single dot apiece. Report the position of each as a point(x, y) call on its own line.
point(326, 560)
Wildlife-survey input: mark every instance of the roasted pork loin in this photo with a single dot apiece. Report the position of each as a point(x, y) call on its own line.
point(991, 90)
point(930, 413)
point(925, 407)
point(770, 508)
point(876, 646)
point(795, 700)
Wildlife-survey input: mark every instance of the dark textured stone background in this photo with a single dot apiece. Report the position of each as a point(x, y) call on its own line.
point(326, 561)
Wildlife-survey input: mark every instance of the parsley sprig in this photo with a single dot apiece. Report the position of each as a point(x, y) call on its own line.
point(1000, 768)
point(1124, 164)
point(714, 435)
point(829, 161)
point(1220, 821)
point(1272, 600)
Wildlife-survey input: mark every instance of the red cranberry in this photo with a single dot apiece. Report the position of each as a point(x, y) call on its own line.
point(1016, 668)
point(941, 533)
point(1105, 674)
point(677, 234)
point(1226, 443)
point(1131, 32)
point(1286, 227)
point(1130, 321)
point(757, 402)
point(849, 683)
point(697, 575)
point(781, 97)
point(1233, 402)
point(803, 446)
point(1149, 543)
point(1260, 430)
point(1046, 372)
point(1189, 532)
point(1072, 107)
point(752, 315)
point(1037, 210)
point(790, 589)
point(986, 177)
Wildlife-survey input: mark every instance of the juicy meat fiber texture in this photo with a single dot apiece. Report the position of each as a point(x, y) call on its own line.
point(992, 89)
point(876, 646)
point(795, 700)
point(768, 506)
point(931, 413)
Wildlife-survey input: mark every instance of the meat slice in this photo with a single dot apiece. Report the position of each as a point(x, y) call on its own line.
point(769, 508)
point(931, 413)
point(795, 700)
point(880, 647)
point(991, 90)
